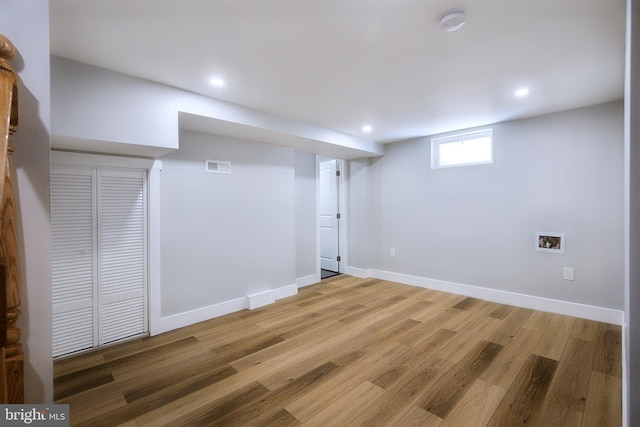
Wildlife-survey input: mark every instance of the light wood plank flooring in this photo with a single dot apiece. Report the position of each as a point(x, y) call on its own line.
point(352, 351)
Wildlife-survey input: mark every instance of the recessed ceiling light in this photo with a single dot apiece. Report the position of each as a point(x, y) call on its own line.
point(522, 92)
point(366, 128)
point(216, 81)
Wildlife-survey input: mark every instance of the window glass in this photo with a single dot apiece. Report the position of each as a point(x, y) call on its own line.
point(471, 148)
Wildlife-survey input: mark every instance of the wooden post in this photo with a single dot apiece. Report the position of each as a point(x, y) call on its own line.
point(4, 392)
point(13, 356)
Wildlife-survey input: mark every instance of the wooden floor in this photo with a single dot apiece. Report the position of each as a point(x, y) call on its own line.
point(349, 352)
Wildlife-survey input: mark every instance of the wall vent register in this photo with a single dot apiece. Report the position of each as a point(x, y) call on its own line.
point(217, 166)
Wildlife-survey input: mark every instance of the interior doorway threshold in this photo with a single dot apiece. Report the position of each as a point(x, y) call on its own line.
point(325, 274)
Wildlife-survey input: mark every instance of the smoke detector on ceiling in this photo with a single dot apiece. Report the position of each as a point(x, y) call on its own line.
point(452, 20)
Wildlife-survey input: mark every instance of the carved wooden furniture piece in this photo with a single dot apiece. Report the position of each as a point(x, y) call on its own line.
point(11, 356)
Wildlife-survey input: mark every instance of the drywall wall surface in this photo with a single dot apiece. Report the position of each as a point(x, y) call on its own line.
point(225, 236)
point(360, 215)
point(26, 24)
point(632, 312)
point(105, 111)
point(476, 225)
point(96, 104)
point(305, 221)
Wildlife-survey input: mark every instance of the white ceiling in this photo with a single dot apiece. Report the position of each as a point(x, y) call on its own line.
point(340, 64)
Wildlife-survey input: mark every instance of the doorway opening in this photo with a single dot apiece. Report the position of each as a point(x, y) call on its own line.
point(331, 224)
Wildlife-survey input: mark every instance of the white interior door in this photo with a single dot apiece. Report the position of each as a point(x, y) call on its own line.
point(328, 211)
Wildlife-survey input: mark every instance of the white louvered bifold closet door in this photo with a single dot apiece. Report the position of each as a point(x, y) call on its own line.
point(73, 260)
point(99, 256)
point(121, 258)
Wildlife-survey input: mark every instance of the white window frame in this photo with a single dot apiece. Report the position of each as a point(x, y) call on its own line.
point(460, 137)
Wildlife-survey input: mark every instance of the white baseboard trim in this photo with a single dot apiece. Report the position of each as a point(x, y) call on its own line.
point(260, 299)
point(307, 280)
point(584, 311)
point(359, 272)
point(285, 291)
point(253, 301)
point(187, 318)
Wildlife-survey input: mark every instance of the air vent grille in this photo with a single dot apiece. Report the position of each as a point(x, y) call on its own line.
point(217, 166)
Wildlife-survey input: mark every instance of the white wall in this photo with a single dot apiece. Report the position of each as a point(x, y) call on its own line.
point(305, 188)
point(26, 23)
point(98, 105)
point(632, 337)
point(475, 225)
point(225, 236)
point(359, 213)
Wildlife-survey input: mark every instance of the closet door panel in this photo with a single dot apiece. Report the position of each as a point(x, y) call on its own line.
point(72, 331)
point(122, 254)
point(73, 260)
point(123, 318)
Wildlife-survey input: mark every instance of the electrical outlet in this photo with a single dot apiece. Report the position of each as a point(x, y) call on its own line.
point(392, 252)
point(568, 273)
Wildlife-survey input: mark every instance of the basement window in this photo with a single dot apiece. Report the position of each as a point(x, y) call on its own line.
point(462, 149)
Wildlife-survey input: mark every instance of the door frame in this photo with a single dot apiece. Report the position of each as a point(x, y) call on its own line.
point(342, 208)
point(153, 168)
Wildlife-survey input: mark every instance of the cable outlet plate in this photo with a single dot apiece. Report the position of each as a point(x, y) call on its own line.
point(568, 273)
